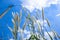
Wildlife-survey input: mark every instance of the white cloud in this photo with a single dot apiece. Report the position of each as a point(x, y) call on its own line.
point(58, 15)
point(41, 22)
point(38, 4)
point(47, 36)
point(28, 36)
point(25, 32)
point(11, 39)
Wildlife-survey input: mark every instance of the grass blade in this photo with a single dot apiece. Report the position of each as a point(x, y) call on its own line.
point(42, 14)
point(10, 29)
point(48, 22)
point(9, 7)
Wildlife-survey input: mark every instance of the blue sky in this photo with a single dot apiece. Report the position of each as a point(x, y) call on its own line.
point(6, 19)
point(51, 10)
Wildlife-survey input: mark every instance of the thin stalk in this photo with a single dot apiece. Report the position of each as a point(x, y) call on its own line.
point(48, 34)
